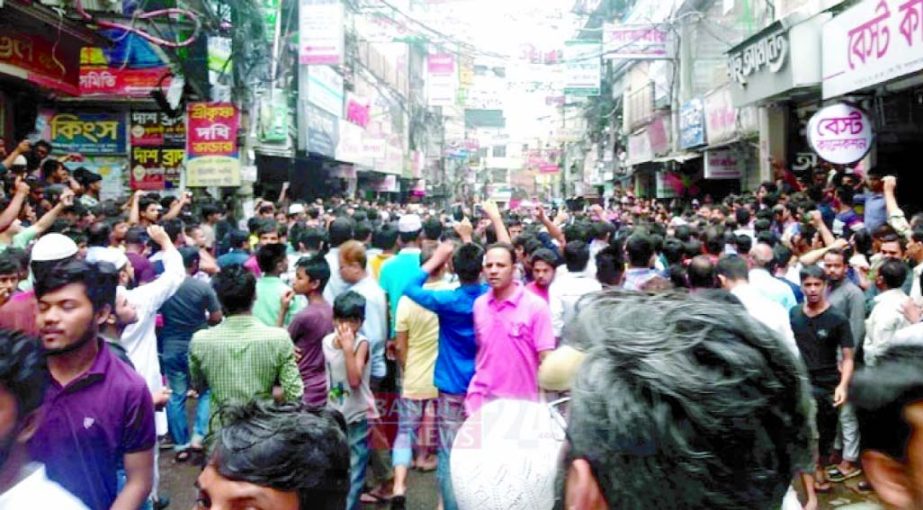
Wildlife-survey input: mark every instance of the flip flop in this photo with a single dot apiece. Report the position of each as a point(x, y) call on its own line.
point(182, 456)
point(837, 476)
point(822, 488)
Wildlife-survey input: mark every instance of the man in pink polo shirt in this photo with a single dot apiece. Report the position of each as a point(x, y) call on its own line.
point(513, 332)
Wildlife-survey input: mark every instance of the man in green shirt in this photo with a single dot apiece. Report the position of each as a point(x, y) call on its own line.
point(241, 359)
point(18, 236)
point(270, 288)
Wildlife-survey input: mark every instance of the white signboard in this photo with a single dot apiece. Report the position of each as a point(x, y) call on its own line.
point(872, 42)
point(636, 42)
point(320, 32)
point(639, 148)
point(325, 89)
point(441, 79)
point(722, 164)
point(583, 68)
point(840, 134)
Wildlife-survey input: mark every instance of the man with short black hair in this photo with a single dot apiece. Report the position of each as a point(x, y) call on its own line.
point(23, 381)
point(340, 231)
point(701, 273)
point(887, 316)
point(284, 457)
point(191, 308)
point(824, 339)
point(270, 288)
point(640, 435)
point(569, 286)
point(640, 250)
point(241, 359)
point(544, 264)
point(99, 412)
point(309, 327)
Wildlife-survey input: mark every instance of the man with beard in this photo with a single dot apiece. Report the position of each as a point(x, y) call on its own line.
point(99, 412)
point(23, 379)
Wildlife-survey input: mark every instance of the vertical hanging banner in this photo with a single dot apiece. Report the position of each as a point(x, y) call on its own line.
point(211, 145)
point(320, 29)
point(441, 79)
point(582, 68)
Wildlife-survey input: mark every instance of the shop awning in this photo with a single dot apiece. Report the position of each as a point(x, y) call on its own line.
point(680, 157)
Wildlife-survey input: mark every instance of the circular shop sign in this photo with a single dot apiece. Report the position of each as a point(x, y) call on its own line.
point(840, 133)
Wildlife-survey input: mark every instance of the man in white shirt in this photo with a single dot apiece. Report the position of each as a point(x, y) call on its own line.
point(763, 281)
point(23, 378)
point(140, 338)
point(569, 286)
point(887, 316)
point(733, 277)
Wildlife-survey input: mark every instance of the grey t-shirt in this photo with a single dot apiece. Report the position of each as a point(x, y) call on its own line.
point(186, 312)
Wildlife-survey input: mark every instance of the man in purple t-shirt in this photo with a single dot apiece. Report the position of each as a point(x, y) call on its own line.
point(310, 326)
point(98, 411)
point(513, 332)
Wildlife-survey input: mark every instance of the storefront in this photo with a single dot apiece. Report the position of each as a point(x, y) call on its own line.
point(766, 73)
point(872, 56)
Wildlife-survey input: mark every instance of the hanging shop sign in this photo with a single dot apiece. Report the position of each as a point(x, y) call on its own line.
point(691, 124)
point(321, 134)
point(582, 68)
point(157, 129)
point(85, 133)
point(131, 66)
point(157, 150)
point(274, 117)
point(153, 168)
point(840, 133)
point(870, 43)
point(636, 42)
point(320, 35)
point(639, 148)
point(325, 89)
point(441, 79)
point(722, 164)
point(720, 116)
point(34, 58)
point(768, 54)
point(358, 109)
point(350, 145)
point(211, 146)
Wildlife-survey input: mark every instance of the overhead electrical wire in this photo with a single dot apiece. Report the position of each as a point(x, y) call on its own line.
point(147, 16)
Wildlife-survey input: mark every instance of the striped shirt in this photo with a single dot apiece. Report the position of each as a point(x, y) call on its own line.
point(241, 359)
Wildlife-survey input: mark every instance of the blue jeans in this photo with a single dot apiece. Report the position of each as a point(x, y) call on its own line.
point(176, 366)
point(450, 415)
point(358, 436)
point(410, 418)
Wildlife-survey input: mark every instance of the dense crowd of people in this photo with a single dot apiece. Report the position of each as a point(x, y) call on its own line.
point(689, 355)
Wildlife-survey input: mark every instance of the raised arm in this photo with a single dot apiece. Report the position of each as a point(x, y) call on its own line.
point(12, 211)
point(48, 219)
point(553, 229)
point(134, 215)
point(19, 150)
point(896, 217)
point(177, 206)
point(493, 213)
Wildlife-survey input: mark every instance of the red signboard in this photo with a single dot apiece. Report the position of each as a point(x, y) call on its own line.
point(112, 81)
point(35, 58)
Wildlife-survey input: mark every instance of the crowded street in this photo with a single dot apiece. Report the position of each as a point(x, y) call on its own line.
point(461, 255)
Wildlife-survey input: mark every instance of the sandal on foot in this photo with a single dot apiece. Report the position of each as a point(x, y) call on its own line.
point(837, 476)
point(182, 456)
point(822, 488)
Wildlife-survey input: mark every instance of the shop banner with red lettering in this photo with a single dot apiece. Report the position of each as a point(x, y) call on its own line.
point(110, 81)
point(36, 58)
point(211, 145)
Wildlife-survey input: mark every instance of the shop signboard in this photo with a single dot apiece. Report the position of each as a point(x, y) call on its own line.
point(320, 34)
point(872, 42)
point(691, 124)
point(582, 68)
point(388, 184)
point(157, 128)
point(350, 145)
point(32, 57)
point(840, 133)
point(106, 81)
point(722, 164)
point(720, 116)
point(325, 89)
point(636, 42)
point(639, 148)
point(322, 131)
point(85, 133)
point(211, 145)
point(357, 109)
point(441, 79)
point(274, 117)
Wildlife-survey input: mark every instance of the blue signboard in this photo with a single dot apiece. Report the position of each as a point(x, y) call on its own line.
point(323, 131)
point(85, 133)
point(691, 124)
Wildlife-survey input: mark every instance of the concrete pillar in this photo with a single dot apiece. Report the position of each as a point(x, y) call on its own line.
point(773, 121)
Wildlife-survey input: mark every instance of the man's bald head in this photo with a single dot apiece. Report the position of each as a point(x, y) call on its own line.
point(761, 255)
